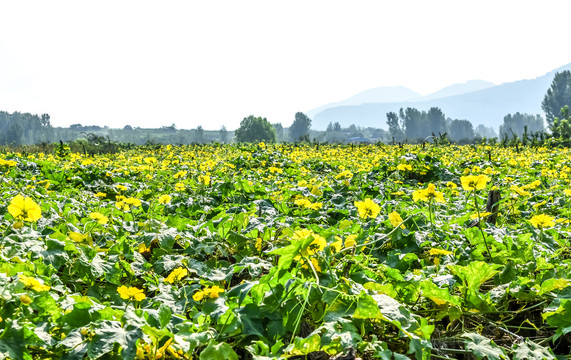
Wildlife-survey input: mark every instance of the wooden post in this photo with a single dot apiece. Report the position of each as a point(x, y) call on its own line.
point(493, 206)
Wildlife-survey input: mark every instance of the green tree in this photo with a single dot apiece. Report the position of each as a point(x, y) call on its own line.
point(436, 121)
point(254, 129)
point(558, 95)
point(223, 134)
point(300, 127)
point(415, 128)
point(394, 126)
point(199, 134)
point(279, 131)
point(517, 122)
point(460, 130)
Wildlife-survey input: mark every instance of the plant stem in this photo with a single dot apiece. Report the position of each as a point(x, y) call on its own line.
point(480, 224)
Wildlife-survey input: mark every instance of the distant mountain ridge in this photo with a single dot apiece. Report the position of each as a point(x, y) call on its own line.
point(478, 101)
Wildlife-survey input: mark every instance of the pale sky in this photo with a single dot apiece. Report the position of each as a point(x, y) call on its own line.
point(212, 63)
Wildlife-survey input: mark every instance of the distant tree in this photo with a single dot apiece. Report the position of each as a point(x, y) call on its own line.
point(415, 126)
point(45, 120)
point(223, 134)
point(460, 130)
point(487, 132)
point(394, 126)
point(128, 128)
point(254, 129)
point(300, 127)
point(436, 121)
point(199, 134)
point(558, 95)
point(336, 127)
point(517, 122)
point(279, 131)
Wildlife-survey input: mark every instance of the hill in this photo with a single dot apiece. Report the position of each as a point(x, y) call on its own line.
point(477, 101)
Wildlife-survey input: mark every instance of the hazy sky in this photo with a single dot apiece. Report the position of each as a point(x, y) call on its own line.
point(212, 63)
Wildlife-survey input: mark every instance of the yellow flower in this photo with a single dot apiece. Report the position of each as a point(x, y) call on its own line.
point(302, 202)
point(345, 174)
point(567, 192)
point(198, 295)
point(542, 221)
point(121, 187)
point(176, 275)
point(404, 167)
point(25, 299)
point(133, 201)
point(520, 190)
point(212, 292)
point(180, 174)
point(179, 186)
point(259, 244)
point(204, 179)
point(101, 194)
point(33, 283)
point(337, 245)
point(451, 185)
point(368, 208)
point(474, 182)
point(165, 199)
point(129, 293)
point(396, 220)
point(24, 208)
point(428, 194)
point(482, 215)
point(439, 252)
point(100, 218)
point(122, 206)
point(350, 241)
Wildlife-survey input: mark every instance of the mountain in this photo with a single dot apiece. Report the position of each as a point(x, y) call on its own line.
point(478, 101)
point(384, 94)
point(458, 89)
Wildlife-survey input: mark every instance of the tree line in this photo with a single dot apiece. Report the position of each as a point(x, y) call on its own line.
point(408, 125)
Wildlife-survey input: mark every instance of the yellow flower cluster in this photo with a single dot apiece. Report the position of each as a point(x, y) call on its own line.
point(176, 275)
point(124, 203)
point(131, 293)
point(33, 283)
point(100, 218)
point(337, 245)
point(308, 204)
point(204, 179)
point(212, 292)
point(165, 199)
point(428, 194)
point(542, 221)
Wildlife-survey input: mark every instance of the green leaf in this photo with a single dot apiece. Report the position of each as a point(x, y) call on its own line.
point(303, 346)
point(15, 338)
point(560, 318)
point(106, 335)
point(529, 350)
point(437, 295)
point(474, 274)
point(165, 315)
point(221, 351)
point(482, 347)
point(55, 254)
point(553, 284)
point(367, 307)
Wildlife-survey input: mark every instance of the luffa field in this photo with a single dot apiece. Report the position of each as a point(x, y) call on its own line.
point(285, 251)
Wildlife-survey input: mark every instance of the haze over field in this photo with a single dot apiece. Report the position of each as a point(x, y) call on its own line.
point(152, 64)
